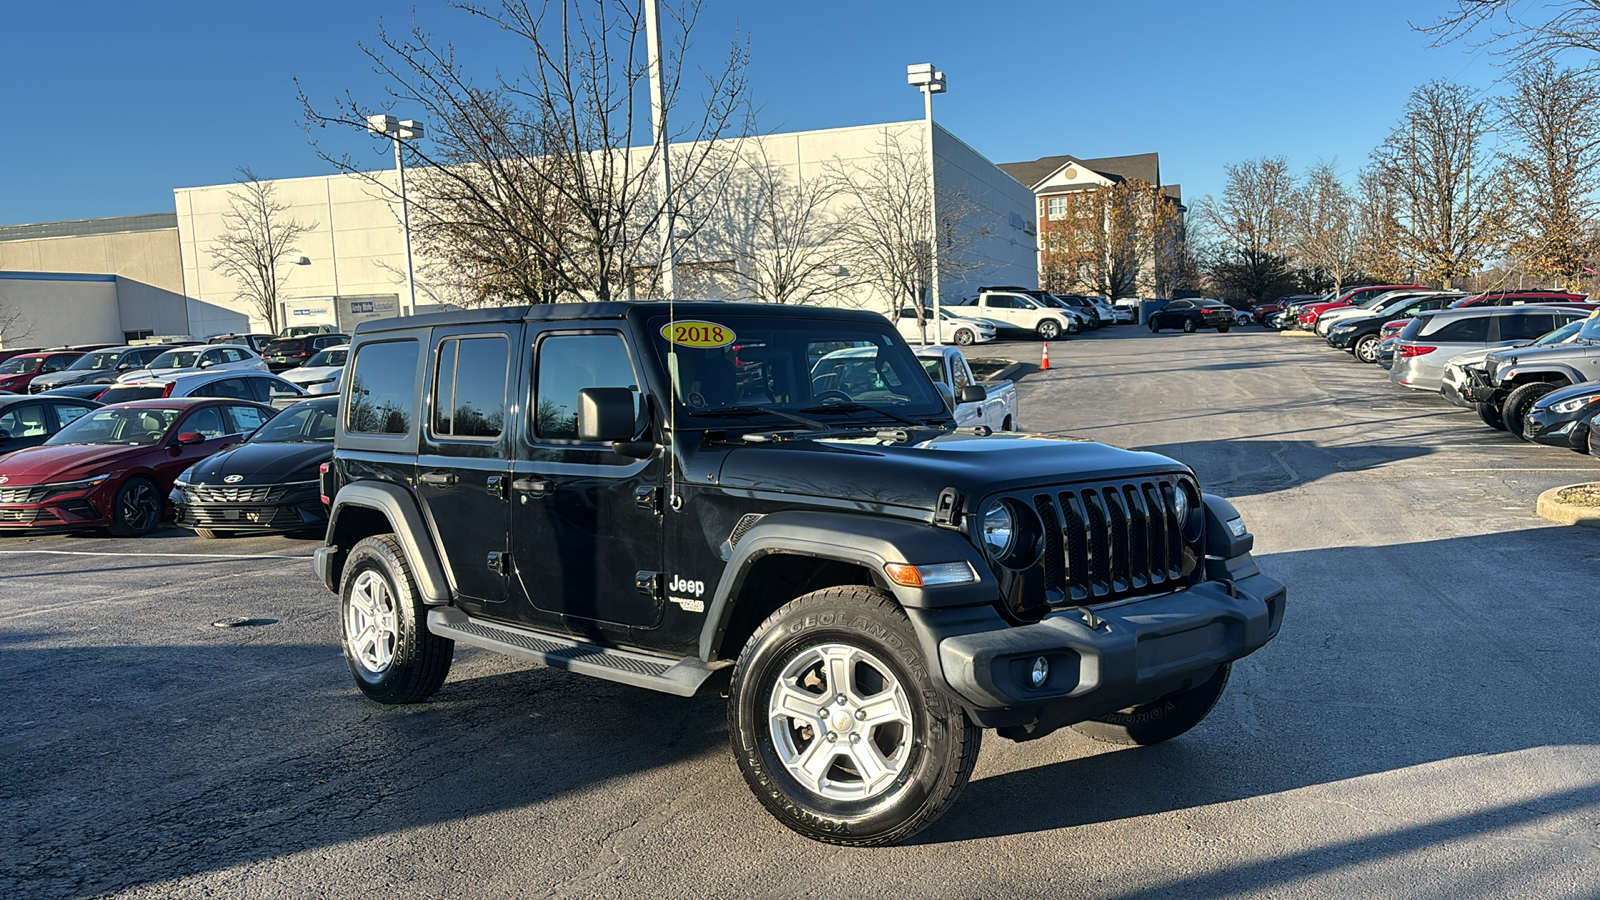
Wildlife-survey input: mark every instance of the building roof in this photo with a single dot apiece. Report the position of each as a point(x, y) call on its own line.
point(1145, 166)
point(81, 227)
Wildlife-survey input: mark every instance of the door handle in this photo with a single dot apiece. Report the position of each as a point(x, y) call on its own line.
point(534, 486)
point(438, 478)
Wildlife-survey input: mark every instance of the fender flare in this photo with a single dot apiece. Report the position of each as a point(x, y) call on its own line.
point(1573, 376)
point(866, 540)
point(401, 509)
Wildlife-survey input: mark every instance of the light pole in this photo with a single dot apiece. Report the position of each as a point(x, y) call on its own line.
point(930, 81)
point(397, 131)
point(658, 129)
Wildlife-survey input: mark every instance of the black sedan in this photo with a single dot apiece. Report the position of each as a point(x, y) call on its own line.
point(267, 483)
point(1193, 315)
point(1563, 418)
point(27, 421)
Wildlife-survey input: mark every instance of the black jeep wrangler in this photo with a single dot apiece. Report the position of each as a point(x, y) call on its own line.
point(775, 503)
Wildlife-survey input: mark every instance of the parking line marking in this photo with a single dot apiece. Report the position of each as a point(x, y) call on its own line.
point(149, 555)
point(1508, 469)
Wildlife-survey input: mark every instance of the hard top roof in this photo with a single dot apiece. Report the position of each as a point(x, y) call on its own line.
point(182, 402)
point(612, 309)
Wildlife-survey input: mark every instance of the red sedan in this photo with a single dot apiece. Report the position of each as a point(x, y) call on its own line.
point(19, 371)
point(114, 467)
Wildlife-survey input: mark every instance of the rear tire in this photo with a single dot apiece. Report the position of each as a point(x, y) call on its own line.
point(383, 626)
point(1491, 416)
point(1161, 719)
point(1519, 401)
point(1189, 327)
point(1366, 349)
point(844, 663)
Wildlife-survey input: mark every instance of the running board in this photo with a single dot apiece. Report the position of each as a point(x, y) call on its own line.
point(683, 677)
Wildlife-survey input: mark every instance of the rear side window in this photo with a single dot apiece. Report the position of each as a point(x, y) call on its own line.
point(1463, 331)
point(1526, 328)
point(469, 396)
point(568, 363)
point(380, 388)
point(66, 413)
point(247, 418)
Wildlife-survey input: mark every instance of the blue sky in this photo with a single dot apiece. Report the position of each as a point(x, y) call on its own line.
point(110, 105)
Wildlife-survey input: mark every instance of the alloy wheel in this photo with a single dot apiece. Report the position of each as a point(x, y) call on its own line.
point(372, 623)
point(139, 507)
point(840, 722)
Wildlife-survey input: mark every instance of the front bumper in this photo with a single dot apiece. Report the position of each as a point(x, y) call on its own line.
point(1102, 659)
point(296, 510)
point(1553, 429)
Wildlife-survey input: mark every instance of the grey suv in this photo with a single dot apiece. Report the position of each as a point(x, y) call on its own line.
point(1510, 380)
point(99, 367)
point(1431, 339)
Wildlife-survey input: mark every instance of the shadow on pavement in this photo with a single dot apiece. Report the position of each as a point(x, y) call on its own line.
point(1238, 467)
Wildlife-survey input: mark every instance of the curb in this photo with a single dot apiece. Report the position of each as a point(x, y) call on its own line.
point(1560, 513)
point(1298, 333)
point(1011, 367)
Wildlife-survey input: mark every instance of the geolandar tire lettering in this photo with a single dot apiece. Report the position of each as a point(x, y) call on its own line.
point(838, 726)
point(383, 627)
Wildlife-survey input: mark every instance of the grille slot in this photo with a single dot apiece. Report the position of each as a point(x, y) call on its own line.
point(30, 494)
point(1110, 541)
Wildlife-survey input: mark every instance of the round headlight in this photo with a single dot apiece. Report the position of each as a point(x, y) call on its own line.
point(1180, 505)
point(999, 530)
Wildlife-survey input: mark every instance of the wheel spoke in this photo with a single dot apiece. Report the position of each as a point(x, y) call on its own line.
point(884, 709)
point(874, 769)
point(814, 762)
point(791, 701)
point(838, 661)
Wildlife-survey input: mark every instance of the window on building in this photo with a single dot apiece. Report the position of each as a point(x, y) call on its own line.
point(131, 336)
point(1058, 207)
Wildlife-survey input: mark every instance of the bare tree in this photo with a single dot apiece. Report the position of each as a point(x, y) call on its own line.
point(784, 236)
point(1106, 237)
point(889, 235)
point(1380, 252)
point(1552, 118)
point(1522, 32)
point(1250, 229)
point(528, 181)
point(1437, 159)
point(256, 242)
point(14, 325)
point(1322, 234)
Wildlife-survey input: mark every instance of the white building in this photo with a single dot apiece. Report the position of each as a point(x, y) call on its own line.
point(355, 262)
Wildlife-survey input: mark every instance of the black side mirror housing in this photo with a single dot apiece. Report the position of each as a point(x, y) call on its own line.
point(946, 394)
point(4, 435)
point(605, 415)
point(972, 393)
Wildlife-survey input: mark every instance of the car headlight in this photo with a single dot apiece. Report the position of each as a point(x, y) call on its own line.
point(999, 530)
point(72, 487)
point(1575, 404)
point(1344, 326)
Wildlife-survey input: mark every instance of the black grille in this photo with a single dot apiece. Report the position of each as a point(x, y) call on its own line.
point(30, 494)
point(242, 516)
point(1106, 542)
point(267, 493)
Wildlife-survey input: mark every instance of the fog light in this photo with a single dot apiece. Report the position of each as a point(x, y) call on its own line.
point(1041, 671)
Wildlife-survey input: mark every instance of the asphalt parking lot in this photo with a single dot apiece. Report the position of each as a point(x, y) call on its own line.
point(1425, 726)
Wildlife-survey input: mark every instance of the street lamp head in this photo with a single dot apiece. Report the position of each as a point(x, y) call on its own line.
point(382, 124)
point(926, 77)
point(300, 261)
point(410, 130)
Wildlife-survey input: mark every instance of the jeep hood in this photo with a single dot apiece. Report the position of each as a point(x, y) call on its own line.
point(912, 474)
point(1502, 356)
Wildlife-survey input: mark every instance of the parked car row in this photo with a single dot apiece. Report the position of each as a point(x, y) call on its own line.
point(1529, 368)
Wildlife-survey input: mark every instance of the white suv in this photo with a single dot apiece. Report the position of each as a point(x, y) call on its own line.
point(199, 358)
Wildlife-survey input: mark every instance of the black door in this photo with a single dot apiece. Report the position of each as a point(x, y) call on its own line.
point(463, 463)
point(584, 518)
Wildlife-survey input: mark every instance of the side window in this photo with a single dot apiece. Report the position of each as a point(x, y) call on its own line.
point(1525, 328)
point(143, 357)
point(211, 356)
point(232, 388)
point(270, 389)
point(246, 418)
point(1463, 331)
point(207, 421)
point(233, 355)
point(958, 372)
point(66, 413)
point(55, 364)
point(567, 364)
point(469, 394)
point(381, 380)
point(25, 421)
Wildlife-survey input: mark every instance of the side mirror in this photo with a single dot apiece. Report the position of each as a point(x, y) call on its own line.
point(946, 394)
point(124, 367)
point(605, 415)
point(191, 437)
point(205, 364)
point(4, 435)
point(972, 393)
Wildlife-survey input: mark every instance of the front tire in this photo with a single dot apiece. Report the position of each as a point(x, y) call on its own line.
point(211, 534)
point(837, 725)
point(1366, 349)
point(1491, 416)
point(383, 627)
point(1153, 326)
point(137, 509)
point(963, 337)
point(1519, 401)
point(1161, 719)
point(1049, 330)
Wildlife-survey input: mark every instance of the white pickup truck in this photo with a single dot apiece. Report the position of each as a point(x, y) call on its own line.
point(991, 403)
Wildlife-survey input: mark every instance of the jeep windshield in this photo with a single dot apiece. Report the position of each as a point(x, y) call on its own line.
point(776, 367)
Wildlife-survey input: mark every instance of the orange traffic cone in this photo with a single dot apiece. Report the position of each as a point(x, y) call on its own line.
point(1044, 363)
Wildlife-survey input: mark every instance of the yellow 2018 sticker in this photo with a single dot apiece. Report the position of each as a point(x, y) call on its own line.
point(694, 333)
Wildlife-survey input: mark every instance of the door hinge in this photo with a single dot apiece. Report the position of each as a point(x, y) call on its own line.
point(496, 486)
point(499, 562)
point(947, 513)
point(648, 583)
point(647, 497)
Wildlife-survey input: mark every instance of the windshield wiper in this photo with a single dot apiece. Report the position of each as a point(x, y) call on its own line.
point(856, 406)
point(747, 411)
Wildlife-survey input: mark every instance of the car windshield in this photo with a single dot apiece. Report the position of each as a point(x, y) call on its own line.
point(301, 423)
point(176, 359)
point(284, 345)
point(103, 360)
point(1560, 335)
point(20, 365)
point(1591, 329)
point(782, 365)
point(122, 393)
point(336, 357)
point(124, 425)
